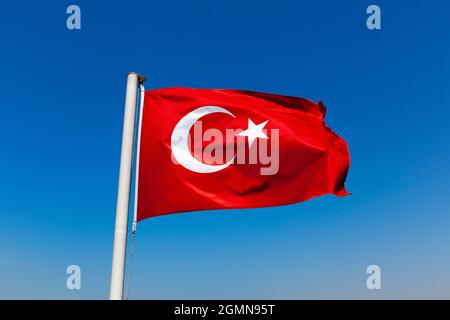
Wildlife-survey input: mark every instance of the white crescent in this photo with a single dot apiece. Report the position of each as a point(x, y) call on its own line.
point(180, 145)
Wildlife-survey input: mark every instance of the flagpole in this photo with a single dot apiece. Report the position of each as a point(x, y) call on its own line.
point(123, 194)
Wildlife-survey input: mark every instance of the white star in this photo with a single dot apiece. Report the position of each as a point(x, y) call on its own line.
point(254, 131)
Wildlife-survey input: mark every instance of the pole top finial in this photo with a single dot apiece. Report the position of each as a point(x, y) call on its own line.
point(141, 78)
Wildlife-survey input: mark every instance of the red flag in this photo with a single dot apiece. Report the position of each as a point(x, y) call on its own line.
point(206, 149)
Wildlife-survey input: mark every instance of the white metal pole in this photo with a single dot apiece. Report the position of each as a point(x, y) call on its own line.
point(123, 194)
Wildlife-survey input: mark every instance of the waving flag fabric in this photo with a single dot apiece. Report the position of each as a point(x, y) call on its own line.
point(204, 149)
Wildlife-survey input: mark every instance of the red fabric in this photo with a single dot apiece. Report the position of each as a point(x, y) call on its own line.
point(313, 160)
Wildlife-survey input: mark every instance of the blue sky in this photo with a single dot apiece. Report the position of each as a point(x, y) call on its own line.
point(60, 134)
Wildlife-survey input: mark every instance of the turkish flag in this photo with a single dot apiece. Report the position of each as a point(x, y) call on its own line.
point(201, 149)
